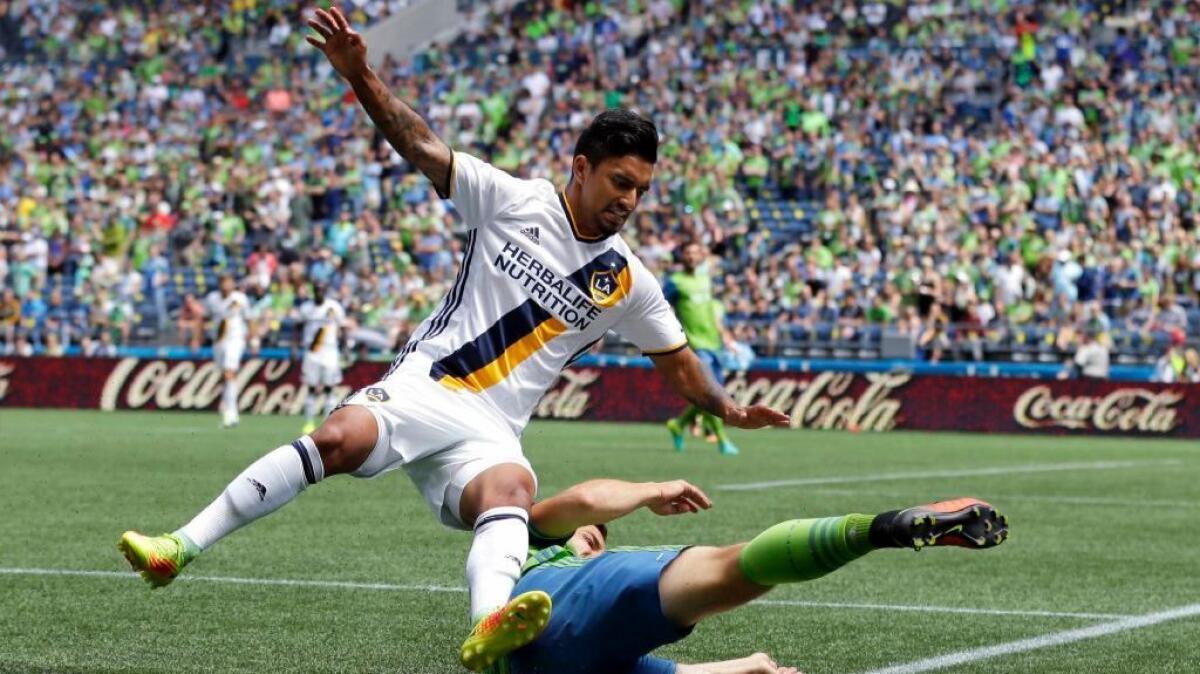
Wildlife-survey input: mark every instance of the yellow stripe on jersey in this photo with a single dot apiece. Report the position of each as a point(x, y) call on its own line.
point(318, 339)
point(496, 371)
point(490, 358)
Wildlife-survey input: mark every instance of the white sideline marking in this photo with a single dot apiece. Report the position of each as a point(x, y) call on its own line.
point(351, 585)
point(974, 655)
point(942, 609)
point(1044, 498)
point(343, 584)
point(966, 472)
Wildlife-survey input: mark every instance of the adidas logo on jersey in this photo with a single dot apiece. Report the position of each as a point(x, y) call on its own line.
point(531, 233)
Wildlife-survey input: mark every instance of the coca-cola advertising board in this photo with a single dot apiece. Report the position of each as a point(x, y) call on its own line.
point(819, 400)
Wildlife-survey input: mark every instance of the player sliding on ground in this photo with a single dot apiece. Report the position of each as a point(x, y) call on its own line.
point(543, 277)
point(634, 600)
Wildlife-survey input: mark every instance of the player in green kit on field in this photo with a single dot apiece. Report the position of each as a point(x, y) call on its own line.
point(690, 292)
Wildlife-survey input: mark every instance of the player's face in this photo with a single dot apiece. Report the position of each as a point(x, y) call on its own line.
point(693, 255)
point(587, 542)
point(226, 286)
point(611, 190)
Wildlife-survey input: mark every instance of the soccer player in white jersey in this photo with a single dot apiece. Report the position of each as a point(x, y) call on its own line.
point(229, 308)
point(544, 276)
point(319, 370)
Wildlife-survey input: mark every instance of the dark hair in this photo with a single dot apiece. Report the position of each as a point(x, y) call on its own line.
point(618, 132)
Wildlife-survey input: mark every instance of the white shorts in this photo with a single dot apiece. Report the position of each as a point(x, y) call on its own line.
point(228, 355)
point(316, 371)
point(442, 439)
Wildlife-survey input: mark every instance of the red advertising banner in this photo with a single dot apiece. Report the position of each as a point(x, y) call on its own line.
point(824, 400)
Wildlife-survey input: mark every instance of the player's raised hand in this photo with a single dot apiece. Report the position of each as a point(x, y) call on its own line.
point(757, 416)
point(342, 45)
point(678, 497)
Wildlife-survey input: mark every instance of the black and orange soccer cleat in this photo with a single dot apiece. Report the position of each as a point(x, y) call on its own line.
point(963, 522)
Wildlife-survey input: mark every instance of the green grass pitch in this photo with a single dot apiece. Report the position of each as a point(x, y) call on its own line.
point(1099, 526)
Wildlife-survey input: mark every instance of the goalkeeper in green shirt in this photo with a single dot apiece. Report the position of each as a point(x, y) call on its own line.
point(690, 292)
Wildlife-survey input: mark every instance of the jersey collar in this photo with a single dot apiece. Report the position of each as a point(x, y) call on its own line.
point(546, 555)
point(566, 206)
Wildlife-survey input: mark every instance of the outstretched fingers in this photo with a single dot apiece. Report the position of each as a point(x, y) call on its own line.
point(322, 23)
point(339, 19)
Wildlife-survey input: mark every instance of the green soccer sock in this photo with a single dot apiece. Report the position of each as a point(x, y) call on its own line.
point(799, 550)
point(689, 415)
point(714, 425)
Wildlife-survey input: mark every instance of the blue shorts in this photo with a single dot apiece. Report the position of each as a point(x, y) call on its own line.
point(712, 360)
point(607, 615)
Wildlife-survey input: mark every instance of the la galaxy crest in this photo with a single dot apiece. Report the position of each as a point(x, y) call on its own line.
point(603, 286)
point(377, 395)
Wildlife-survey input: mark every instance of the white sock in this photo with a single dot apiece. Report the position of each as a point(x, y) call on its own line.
point(310, 404)
point(229, 398)
point(261, 489)
point(330, 401)
point(494, 563)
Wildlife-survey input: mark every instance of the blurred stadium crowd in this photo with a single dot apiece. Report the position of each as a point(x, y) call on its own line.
point(996, 179)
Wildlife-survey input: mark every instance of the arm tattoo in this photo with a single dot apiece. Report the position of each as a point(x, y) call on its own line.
point(710, 396)
point(405, 130)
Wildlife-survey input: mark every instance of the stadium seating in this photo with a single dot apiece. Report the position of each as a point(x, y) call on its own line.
point(962, 149)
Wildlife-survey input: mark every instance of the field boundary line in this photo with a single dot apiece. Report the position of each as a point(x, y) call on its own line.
point(233, 580)
point(973, 655)
point(942, 609)
point(394, 587)
point(1044, 498)
point(964, 472)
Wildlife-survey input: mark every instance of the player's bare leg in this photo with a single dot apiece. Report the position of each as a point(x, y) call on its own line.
point(496, 503)
point(340, 445)
point(704, 581)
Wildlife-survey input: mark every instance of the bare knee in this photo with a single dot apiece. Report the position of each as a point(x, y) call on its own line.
point(507, 484)
point(703, 581)
point(346, 439)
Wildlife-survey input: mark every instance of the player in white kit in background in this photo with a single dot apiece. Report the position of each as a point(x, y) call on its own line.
point(544, 276)
point(230, 309)
point(320, 370)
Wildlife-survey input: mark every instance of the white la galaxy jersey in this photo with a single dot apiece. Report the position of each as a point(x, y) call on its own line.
point(531, 296)
point(230, 314)
point(321, 325)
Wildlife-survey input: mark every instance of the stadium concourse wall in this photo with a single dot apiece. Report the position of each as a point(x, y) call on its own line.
point(869, 401)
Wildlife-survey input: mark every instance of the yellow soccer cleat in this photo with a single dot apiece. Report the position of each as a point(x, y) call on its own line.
point(505, 630)
point(157, 558)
